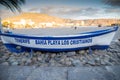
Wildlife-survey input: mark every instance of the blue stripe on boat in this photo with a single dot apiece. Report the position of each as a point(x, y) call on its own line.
point(0, 32)
point(12, 48)
point(91, 34)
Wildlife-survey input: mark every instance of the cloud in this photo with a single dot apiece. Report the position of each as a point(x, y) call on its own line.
point(90, 11)
point(112, 10)
point(33, 9)
point(5, 13)
point(70, 12)
point(78, 12)
point(66, 10)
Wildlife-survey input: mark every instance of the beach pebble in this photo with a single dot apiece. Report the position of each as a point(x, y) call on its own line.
point(14, 63)
point(38, 53)
point(5, 63)
point(82, 52)
point(47, 59)
point(62, 61)
point(28, 62)
point(58, 57)
point(34, 59)
point(111, 56)
point(12, 59)
point(97, 60)
point(53, 55)
point(39, 58)
point(69, 54)
point(5, 57)
point(77, 63)
point(102, 62)
point(67, 61)
point(91, 62)
point(24, 59)
point(27, 54)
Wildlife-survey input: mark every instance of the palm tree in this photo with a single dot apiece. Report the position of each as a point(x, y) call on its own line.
point(112, 2)
point(13, 5)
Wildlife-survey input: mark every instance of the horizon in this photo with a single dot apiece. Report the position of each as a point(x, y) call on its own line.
point(69, 9)
point(29, 13)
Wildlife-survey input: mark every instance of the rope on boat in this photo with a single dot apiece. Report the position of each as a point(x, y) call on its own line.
point(90, 50)
point(31, 53)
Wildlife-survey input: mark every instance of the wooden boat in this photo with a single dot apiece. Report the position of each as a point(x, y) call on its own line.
point(58, 39)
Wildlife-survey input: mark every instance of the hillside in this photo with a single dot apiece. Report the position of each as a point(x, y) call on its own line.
point(95, 22)
point(37, 20)
point(35, 17)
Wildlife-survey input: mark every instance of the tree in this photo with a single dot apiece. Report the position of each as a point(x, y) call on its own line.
point(13, 5)
point(112, 2)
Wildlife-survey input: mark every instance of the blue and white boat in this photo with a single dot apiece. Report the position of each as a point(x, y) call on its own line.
point(58, 39)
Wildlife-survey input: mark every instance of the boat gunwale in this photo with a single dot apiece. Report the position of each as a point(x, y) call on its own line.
point(80, 35)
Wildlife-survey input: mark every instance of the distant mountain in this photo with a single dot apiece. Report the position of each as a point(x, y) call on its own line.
point(35, 17)
point(44, 20)
point(96, 22)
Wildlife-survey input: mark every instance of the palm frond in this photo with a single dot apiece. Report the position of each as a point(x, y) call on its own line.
point(112, 2)
point(13, 5)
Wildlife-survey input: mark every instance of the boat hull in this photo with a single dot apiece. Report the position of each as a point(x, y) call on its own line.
point(96, 40)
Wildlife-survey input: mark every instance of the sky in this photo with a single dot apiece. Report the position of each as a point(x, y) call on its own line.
point(70, 9)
